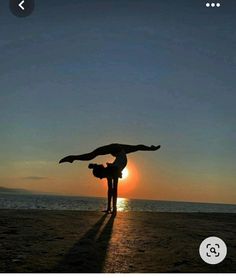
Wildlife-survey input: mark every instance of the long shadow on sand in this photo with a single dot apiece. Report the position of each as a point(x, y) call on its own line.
point(89, 253)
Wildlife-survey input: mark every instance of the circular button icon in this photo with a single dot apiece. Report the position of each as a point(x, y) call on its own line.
point(21, 8)
point(213, 250)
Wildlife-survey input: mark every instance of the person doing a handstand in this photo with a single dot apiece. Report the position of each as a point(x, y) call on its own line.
point(113, 171)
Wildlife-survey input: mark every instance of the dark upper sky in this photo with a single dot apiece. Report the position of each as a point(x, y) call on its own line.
point(78, 74)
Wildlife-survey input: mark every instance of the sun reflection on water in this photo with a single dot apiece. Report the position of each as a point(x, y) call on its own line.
point(122, 204)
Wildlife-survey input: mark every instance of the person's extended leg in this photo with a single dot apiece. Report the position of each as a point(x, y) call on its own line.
point(108, 149)
point(115, 187)
point(135, 148)
point(83, 157)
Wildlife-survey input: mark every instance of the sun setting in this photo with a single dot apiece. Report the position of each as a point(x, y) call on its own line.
point(125, 173)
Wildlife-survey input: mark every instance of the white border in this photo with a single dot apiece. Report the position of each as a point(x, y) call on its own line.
point(115, 275)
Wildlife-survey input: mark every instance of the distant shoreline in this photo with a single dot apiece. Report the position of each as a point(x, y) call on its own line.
point(6, 190)
point(13, 200)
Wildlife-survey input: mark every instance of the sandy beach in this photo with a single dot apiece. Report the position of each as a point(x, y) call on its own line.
point(136, 242)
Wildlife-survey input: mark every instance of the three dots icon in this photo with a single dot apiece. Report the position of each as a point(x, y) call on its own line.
point(213, 5)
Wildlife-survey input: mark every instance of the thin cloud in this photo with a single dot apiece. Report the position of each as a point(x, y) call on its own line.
point(34, 178)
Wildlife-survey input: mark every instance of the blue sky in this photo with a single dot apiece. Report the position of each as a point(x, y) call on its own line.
point(79, 74)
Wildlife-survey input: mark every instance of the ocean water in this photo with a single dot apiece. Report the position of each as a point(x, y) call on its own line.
point(57, 202)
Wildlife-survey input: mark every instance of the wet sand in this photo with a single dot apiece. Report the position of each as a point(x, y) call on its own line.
point(136, 242)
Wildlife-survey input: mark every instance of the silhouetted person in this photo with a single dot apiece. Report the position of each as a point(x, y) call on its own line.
point(113, 171)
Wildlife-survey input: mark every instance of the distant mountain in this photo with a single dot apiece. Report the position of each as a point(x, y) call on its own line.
point(14, 190)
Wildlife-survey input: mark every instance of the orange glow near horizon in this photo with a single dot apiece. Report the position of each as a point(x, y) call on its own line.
point(128, 182)
point(122, 204)
point(145, 180)
point(130, 179)
point(125, 173)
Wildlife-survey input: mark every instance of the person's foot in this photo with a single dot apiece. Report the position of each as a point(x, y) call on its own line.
point(154, 148)
point(69, 158)
point(114, 212)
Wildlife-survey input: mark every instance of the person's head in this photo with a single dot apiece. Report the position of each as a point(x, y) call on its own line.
point(98, 170)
